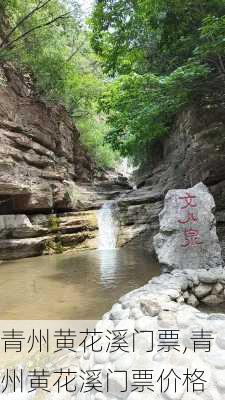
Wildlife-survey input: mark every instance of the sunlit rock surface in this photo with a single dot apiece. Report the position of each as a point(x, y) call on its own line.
point(187, 237)
point(49, 185)
point(164, 305)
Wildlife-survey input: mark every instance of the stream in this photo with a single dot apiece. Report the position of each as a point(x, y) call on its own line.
point(75, 285)
point(72, 286)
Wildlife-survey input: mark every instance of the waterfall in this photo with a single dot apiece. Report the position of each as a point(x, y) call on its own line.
point(108, 227)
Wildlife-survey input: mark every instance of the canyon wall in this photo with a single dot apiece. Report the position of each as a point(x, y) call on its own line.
point(40, 151)
point(48, 190)
point(193, 152)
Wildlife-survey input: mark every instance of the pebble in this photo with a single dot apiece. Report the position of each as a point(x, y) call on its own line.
point(136, 313)
point(167, 318)
point(185, 295)
point(150, 307)
point(213, 299)
point(202, 290)
point(192, 300)
point(218, 288)
point(159, 305)
point(207, 277)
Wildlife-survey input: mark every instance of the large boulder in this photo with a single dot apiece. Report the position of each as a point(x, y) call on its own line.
point(187, 237)
point(22, 248)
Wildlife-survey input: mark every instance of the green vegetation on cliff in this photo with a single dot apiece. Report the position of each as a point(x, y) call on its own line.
point(47, 40)
point(125, 78)
point(161, 55)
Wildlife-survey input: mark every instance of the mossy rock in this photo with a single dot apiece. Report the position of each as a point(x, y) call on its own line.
point(54, 223)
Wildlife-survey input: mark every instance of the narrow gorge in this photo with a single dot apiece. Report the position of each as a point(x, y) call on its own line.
point(194, 152)
point(51, 191)
point(59, 219)
point(112, 199)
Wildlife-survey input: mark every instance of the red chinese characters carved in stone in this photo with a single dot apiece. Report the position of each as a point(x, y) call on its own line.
point(188, 200)
point(192, 238)
point(190, 218)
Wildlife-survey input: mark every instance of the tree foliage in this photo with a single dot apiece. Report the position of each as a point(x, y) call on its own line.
point(160, 55)
point(140, 108)
point(48, 40)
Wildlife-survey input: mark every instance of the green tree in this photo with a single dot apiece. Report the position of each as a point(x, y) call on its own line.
point(47, 40)
point(161, 55)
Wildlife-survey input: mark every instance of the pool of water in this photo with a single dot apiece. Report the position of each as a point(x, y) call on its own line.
point(73, 286)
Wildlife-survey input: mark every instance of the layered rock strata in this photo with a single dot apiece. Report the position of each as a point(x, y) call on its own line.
point(48, 185)
point(193, 152)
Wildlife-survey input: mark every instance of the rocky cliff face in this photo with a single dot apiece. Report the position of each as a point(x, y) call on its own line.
point(46, 176)
point(40, 151)
point(193, 152)
point(48, 191)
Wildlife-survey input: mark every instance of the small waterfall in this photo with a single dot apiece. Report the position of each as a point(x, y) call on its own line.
point(108, 227)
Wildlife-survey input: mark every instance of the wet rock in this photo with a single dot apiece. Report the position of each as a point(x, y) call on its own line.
point(19, 227)
point(128, 233)
point(21, 248)
point(76, 239)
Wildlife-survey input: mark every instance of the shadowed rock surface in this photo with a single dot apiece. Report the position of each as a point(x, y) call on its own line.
point(193, 152)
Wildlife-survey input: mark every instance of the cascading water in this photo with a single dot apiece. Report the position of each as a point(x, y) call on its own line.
point(108, 227)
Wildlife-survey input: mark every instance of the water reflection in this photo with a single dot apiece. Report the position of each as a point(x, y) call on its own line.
point(109, 265)
point(72, 286)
